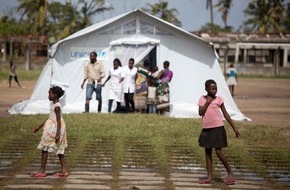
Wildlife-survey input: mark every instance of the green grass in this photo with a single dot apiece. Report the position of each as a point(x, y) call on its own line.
point(34, 74)
point(21, 74)
point(155, 131)
point(259, 76)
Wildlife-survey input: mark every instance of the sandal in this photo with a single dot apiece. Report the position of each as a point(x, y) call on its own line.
point(38, 174)
point(205, 181)
point(230, 181)
point(61, 174)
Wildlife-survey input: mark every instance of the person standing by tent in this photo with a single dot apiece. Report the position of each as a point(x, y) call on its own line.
point(152, 95)
point(129, 85)
point(13, 73)
point(115, 89)
point(155, 72)
point(141, 86)
point(232, 80)
point(94, 72)
point(213, 133)
point(164, 77)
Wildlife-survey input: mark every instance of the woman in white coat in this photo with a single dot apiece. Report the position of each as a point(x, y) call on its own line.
point(117, 76)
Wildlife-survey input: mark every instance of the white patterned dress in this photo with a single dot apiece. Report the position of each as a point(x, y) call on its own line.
point(47, 142)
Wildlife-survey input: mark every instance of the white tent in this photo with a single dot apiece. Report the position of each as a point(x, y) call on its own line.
point(133, 34)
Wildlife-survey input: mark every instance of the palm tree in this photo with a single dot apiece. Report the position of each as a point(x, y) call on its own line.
point(286, 21)
point(90, 9)
point(35, 11)
point(278, 11)
point(209, 6)
point(224, 7)
point(265, 15)
point(64, 19)
point(160, 10)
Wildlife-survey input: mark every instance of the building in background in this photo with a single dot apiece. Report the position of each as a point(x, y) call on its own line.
point(28, 50)
point(252, 54)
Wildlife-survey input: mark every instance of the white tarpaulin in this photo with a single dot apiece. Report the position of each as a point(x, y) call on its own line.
point(134, 34)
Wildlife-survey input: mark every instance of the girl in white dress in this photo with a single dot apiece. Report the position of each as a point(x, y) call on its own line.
point(53, 134)
point(232, 79)
point(117, 76)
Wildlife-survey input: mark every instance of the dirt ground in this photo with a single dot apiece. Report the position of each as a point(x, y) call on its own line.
point(10, 96)
point(265, 101)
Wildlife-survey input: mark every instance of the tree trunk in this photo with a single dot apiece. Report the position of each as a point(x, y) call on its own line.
point(28, 59)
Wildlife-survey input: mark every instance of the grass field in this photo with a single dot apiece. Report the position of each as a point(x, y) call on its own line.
point(158, 138)
point(22, 74)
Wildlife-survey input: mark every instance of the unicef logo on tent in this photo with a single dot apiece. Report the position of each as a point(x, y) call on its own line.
point(102, 54)
point(79, 53)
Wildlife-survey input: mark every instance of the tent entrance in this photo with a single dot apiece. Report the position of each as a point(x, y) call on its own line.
point(138, 47)
point(151, 57)
point(141, 49)
point(138, 52)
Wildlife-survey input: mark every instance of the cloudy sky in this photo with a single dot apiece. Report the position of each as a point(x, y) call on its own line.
point(192, 13)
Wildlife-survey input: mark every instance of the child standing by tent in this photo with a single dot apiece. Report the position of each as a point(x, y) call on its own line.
point(213, 134)
point(53, 134)
point(152, 95)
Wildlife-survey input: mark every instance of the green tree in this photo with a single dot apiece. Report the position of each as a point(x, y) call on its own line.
point(286, 21)
point(58, 20)
point(63, 20)
point(265, 16)
point(91, 8)
point(35, 11)
point(161, 10)
point(224, 7)
point(10, 26)
point(213, 28)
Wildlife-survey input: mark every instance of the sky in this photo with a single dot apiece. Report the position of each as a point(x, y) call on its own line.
point(192, 13)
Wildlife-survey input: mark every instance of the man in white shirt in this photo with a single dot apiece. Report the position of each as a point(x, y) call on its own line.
point(129, 85)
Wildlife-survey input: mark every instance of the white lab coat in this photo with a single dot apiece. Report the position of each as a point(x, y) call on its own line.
point(115, 87)
point(129, 84)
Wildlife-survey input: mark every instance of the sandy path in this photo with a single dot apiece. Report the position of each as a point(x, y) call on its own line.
point(10, 96)
point(265, 101)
